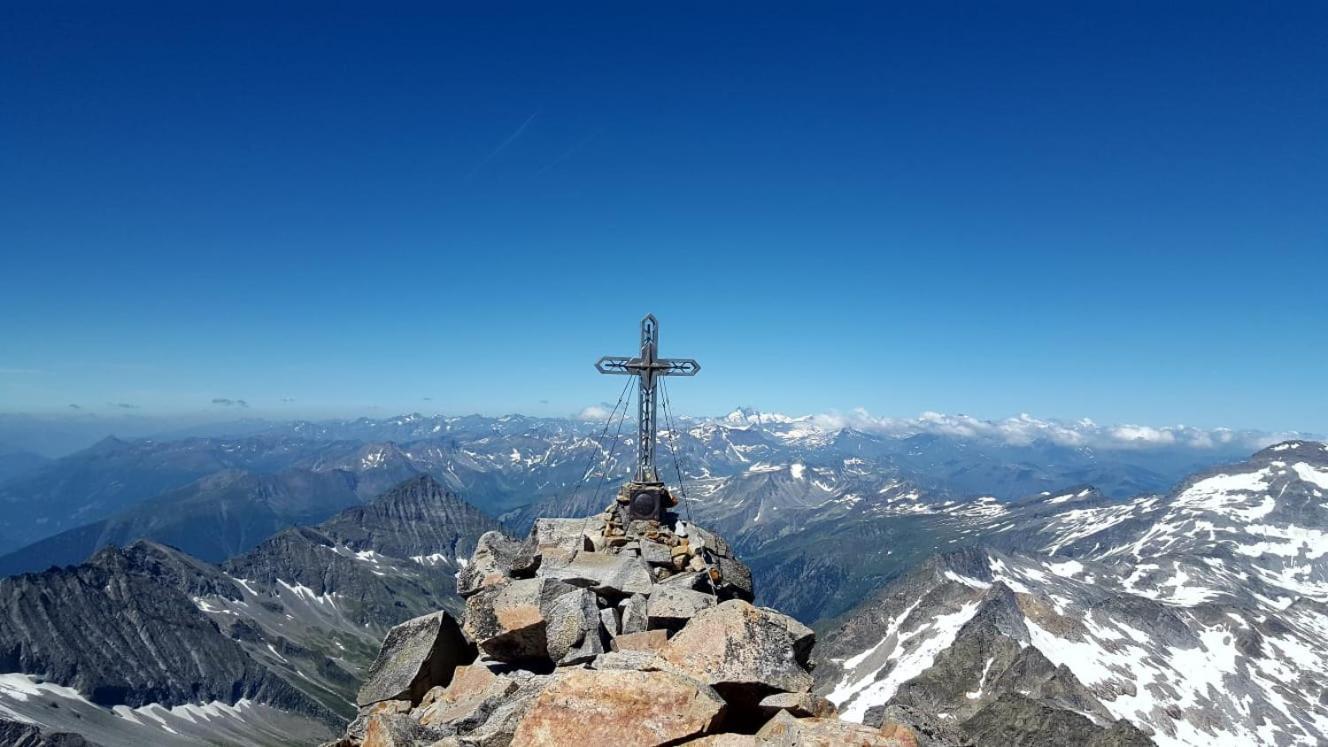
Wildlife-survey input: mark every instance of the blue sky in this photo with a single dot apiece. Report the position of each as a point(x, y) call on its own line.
point(1112, 210)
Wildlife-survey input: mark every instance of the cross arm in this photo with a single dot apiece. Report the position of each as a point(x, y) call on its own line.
point(679, 367)
point(614, 364)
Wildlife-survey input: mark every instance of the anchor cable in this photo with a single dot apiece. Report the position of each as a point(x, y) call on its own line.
point(608, 456)
point(590, 463)
point(677, 469)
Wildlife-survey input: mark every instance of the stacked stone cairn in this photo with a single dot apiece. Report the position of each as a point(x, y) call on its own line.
point(598, 631)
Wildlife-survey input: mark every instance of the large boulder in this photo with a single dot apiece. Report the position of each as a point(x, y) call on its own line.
point(490, 718)
point(608, 574)
point(496, 558)
point(399, 730)
point(611, 707)
point(510, 621)
point(671, 607)
point(744, 652)
point(558, 541)
point(415, 656)
point(634, 618)
point(573, 632)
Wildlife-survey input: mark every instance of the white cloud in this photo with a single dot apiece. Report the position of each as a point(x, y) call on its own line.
point(595, 412)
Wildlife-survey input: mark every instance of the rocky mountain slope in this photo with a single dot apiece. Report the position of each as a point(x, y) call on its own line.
point(1197, 617)
point(149, 645)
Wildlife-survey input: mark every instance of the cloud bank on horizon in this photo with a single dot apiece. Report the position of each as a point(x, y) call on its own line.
point(1019, 430)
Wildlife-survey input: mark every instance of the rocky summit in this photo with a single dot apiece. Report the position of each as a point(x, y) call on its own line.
point(600, 631)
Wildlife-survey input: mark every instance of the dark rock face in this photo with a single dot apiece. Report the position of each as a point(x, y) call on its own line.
point(286, 627)
point(1015, 719)
point(114, 632)
point(416, 518)
point(18, 734)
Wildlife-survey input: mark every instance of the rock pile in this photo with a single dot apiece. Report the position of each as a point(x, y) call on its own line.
point(602, 632)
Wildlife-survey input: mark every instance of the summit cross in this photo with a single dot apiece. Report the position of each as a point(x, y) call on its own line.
point(648, 367)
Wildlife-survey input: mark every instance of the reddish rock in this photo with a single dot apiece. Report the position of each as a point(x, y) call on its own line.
point(647, 640)
point(740, 648)
point(616, 707)
point(786, 731)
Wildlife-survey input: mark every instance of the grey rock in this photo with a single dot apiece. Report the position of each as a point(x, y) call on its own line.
point(608, 619)
point(655, 553)
point(930, 730)
point(509, 622)
point(800, 705)
point(638, 660)
point(496, 557)
point(744, 652)
point(670, 608)
point(401, 730)
point(501, 720)
point(687, 580)
point(736, 577)
point(415, 656)
point(557, 541)
point(634, 619)
point(572, 631)
point(605, 573)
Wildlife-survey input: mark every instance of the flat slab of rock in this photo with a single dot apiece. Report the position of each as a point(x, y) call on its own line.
point(415, 656)
point(736, 645)
point(800, 705)
point(646, 640)
point(670, 607)
point(786, 731)
point(723, 740)
point(636, 660)
point(612, 707)
point(605, 573)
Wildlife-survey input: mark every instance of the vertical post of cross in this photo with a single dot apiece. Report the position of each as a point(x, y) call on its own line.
point(647, 367)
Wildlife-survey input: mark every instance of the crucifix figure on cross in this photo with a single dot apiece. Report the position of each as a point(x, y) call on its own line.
point(647, 367)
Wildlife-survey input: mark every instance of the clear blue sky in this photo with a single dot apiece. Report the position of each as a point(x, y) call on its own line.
point(1114, 210)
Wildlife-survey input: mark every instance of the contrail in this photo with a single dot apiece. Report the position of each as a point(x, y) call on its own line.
point(502, 146)
point(569, 152)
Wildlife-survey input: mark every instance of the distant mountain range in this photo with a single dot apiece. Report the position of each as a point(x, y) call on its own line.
point(802, 498)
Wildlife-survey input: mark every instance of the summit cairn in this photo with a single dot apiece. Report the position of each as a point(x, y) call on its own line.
point(630, 627)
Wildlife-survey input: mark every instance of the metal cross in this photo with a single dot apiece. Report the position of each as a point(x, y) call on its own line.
point(648, 366)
